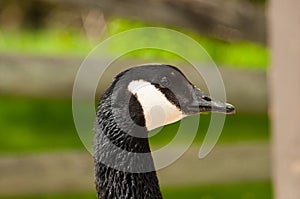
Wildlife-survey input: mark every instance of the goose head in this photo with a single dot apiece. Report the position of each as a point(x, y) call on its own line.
point(156, 95)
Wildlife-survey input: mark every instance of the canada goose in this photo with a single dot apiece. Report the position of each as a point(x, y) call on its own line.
point(124, 117)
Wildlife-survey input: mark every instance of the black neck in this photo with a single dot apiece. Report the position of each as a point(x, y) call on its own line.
point(123, 163)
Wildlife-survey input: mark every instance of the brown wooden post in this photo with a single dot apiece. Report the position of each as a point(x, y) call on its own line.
point(284, 82)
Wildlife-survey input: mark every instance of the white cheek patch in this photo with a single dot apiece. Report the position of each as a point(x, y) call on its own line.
point(158, 110)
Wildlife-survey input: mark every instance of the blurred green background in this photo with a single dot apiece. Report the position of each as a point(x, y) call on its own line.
point(42, 124)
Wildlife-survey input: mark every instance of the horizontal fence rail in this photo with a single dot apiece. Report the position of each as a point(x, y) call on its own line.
point(71, 172)
point(54, 77)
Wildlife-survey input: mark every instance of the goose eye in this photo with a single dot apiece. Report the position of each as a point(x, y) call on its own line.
point(164, 82)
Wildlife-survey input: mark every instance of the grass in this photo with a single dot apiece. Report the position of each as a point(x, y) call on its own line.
point(63, 42)
point(258, 190)
point(255, 190)
point(30, 124)
point(36, 124)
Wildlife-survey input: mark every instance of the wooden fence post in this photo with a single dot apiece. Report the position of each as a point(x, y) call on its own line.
point(284, 82)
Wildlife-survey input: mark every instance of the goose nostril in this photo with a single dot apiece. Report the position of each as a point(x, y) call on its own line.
point(206, 98)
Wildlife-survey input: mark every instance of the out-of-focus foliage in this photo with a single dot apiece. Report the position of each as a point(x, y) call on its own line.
point(261, 2)
point(41, 28)
point(71, 42)
point(45, 42)
point(239, 54)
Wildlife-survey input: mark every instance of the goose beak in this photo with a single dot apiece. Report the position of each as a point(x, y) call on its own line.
point(204, 103)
